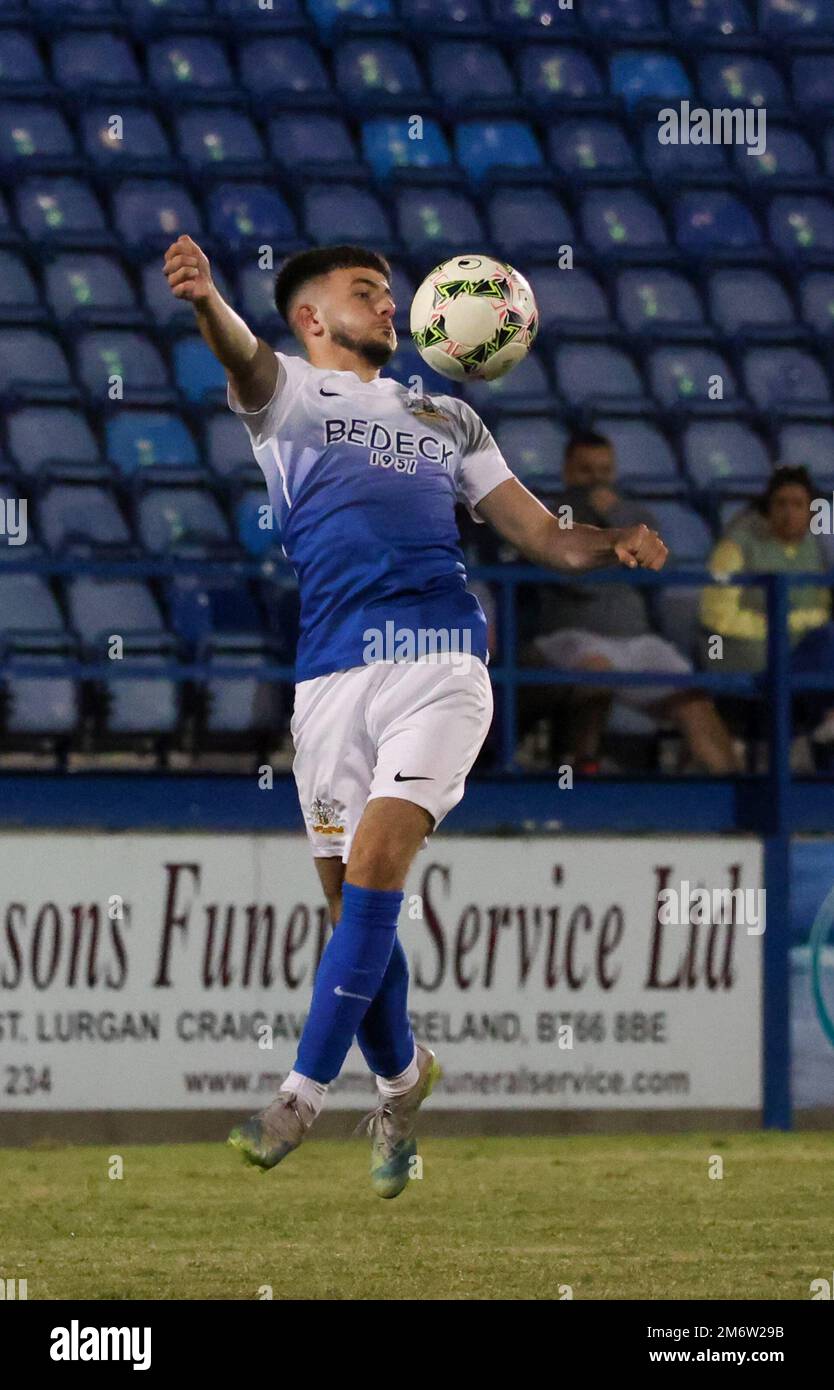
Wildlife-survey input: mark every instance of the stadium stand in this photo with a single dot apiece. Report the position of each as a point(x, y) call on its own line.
point(126, 122)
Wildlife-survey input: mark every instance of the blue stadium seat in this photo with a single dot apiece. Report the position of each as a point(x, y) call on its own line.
point(571, 303)
point(320, 143)
point(64, 212)
point(788, 156)
point(682, 163)
point(786, 381)
point(154, 13)
point(244, 213)
point(200, 609)
point(150, 213)
point(90, 61)
point(242, 705)
point(189, 67)
point(553, 77)
point(108, 353)
point(587, 147)
point(213, 139)
point(685, 532)
point(138, 144)
point(617, 220)
point(781, 19)
point(388, 148)
point(642, 76)
point(283, 14)
point(659, 303)
point(749, 303)
point(80, 517)
point(740, 80)
point(816, 295)
point(533, 447)
point(604, 17)
point(406, 364)
point(802, 226)
point(330, 14)
point(710, 19)
point(170, 519)
point(530, 16)
point(51, 437)
point(375, 72)
point(725, 455)
point(84, 286)
point(29, 609)
point(491, 147)
point(683, 376)
point(465, 76)
point(437, 15)
point(46, 705)
point(148, 705)
point(434, 220)
point(528, 222)
point(19, 297)
point(526, 387)
point(713, 224)
point(99, 608)
point(34, 137)
point(140, 440)
point(812, 447)
point(69, 9)
point(255, 522)
point(227, 445)
point(288, 69)
point(645, 459)
point(256, 299)
point(21, 69)
point(356, 212)
point(812, 79)
point(33, 365)
point(199, 375)
point(593, 374)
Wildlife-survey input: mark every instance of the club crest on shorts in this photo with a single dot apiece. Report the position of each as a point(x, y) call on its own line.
point(324, 818)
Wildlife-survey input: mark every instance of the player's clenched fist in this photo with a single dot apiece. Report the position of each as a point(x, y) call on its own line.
point(638, 547)
point(187, 270)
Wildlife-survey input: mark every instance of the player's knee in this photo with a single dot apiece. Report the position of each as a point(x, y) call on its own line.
point(377, 864)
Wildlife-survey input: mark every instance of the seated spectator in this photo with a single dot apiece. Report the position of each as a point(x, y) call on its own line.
point(773, 537)
point(608, 628)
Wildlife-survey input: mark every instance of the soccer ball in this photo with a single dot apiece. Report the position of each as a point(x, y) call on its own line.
point(473, 318)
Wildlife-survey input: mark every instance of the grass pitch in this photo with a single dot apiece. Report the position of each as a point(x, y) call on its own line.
point(613, 1217)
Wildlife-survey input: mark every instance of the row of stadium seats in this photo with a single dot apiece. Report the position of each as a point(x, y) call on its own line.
point(725, 458)
point(215, 142)
point(393, 74)
point(610, 225)
point(679, 19)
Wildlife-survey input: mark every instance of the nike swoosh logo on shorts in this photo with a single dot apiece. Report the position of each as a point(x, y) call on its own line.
point(322, 392)
point(346, 994)
point(398, 777)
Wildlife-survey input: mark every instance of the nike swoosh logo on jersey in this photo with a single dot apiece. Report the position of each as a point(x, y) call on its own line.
point(346, 994)
point(322, 392)
point(398, 777)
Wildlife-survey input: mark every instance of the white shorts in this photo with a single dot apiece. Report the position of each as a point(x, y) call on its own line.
point(406, 729)
point(568, 648)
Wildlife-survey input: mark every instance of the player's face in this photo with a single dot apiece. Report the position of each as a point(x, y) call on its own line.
point(790, 512)
point(357, 311)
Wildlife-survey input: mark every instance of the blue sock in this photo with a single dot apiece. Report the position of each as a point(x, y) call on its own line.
point(384, 1034)
point(351, 971)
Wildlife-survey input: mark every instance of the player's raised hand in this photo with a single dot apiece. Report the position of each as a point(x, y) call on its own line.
point(187, 271)
point(639, 548)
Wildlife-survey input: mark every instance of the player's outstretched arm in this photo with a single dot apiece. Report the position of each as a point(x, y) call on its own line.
point(521, 519)
point(250, 363)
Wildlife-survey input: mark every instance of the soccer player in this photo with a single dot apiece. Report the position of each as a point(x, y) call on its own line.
point(392, 700)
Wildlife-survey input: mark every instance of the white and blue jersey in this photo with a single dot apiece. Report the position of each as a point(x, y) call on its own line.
point(363, 479)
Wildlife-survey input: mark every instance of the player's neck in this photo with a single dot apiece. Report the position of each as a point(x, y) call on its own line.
point(338, 359)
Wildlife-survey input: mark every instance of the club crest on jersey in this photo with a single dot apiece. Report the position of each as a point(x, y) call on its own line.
point(425, 408)
point(324, 818)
